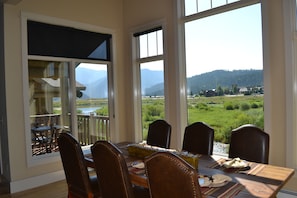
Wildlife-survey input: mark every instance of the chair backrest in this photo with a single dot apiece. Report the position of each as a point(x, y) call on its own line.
point(159, 134)
point(112, 170)
point(198, 138)
point(170, 176)
point(250, 143)
point(76, 172)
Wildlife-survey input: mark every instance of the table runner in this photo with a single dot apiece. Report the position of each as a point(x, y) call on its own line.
point(231, 189)
point(252, 169)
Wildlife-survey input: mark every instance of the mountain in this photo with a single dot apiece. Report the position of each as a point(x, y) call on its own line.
point(98, 89)
point(211, 80)
point(225, 79)
point(88, 76)
point(95, 82)
point(152, 81)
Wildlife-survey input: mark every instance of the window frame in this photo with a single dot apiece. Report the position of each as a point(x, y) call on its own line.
point(290, 39)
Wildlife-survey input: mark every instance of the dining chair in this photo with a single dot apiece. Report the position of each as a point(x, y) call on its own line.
point(171, 176)
point(80, 183)
point(159, 134)
point(198, 139)
point(111, 168)
point(250, 143)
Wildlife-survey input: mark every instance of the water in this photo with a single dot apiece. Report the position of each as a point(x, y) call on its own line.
point(88, 110)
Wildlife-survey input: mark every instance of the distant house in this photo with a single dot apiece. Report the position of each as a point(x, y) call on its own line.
point(243, 90)
point(210, 93)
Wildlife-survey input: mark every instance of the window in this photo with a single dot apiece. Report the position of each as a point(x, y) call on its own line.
point(150, 63)
point(224, 87)
point(197, 6)
point(68, 81)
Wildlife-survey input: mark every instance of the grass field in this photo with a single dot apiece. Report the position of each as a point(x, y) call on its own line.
point(223, 113)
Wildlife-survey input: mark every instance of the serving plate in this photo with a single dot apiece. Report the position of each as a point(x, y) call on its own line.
point(216, 180)
point(139, 165)
point(235, 163)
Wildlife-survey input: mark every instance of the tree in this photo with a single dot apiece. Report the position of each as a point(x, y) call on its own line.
point(235, 89)
point(220, 91)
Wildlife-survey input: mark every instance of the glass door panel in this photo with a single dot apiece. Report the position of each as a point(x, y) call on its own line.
point(92, 102)
point(49, 104)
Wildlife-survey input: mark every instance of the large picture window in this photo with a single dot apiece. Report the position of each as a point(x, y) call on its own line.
point(224, 66)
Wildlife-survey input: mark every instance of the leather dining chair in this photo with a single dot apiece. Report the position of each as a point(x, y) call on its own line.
point(159, 134)
point(250, 143)
point(80, 183)
point(198, 139)
point(111, 168)
point(170, 176)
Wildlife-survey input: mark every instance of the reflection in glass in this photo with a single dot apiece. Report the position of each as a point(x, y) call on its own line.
point(49, 104)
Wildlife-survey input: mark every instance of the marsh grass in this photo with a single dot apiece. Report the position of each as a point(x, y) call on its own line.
point(223, 113)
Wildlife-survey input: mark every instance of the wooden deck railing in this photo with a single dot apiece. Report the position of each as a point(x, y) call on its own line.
point(92, 128)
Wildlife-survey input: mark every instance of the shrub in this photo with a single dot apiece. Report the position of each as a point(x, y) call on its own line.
point(229, 106)
point(103, 111)
point(244, 106)
point(236, 106)
point(254, 105)
point(202, 106)
point(223, 135)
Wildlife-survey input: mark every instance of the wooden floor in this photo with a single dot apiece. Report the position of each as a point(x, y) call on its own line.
point(54, 190)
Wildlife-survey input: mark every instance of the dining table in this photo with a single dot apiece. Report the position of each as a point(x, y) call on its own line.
point(255, 180)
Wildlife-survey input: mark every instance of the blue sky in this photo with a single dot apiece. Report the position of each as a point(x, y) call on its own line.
point(228, 41)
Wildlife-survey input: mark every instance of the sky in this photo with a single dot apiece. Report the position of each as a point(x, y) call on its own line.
point(94, 66)
point(228, 41)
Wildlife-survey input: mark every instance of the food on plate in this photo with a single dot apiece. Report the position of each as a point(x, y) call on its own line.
point(235, 163)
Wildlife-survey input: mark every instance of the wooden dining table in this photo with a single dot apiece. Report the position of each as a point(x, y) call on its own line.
point(259, 180)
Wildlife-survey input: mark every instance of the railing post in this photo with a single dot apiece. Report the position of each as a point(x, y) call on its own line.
point(92, 127)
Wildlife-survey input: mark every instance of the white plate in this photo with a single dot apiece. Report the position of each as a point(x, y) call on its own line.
point(139, 165)
point(217, 180)
point(235, 163)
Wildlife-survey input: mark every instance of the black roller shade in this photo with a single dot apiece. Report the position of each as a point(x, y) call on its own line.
point(60, 41)
point(147, 31)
